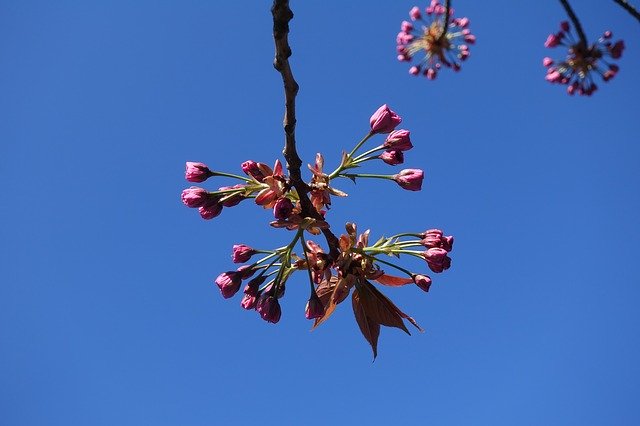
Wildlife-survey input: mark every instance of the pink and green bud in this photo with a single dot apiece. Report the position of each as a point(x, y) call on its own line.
point(410, 179)
point(197, 172)
point(194, 197)
point(437, 259)
point(242, 253)
point(314, 308)
point(251, 168)
point(269, 308)
point(384, 120)
point(422, 281)
point(246, 271)
point(392, 157)
point(229, 283)
point(283, 208)
point(398, 140)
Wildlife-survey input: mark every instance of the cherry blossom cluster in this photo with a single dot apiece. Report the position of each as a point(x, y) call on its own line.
point(436, 39)
point(583, 61)
point(352, 264)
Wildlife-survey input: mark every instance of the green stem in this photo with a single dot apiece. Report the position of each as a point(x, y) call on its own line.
point(406, 271)
point(353, 151)
point(304, 250)
point(231, 175)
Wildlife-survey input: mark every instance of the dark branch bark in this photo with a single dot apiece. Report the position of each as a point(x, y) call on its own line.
point(576, 22)
point(282, 14)
point(447, 12)
point(626, 6)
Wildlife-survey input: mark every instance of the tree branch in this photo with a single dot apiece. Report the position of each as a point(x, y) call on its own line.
point(576, 22)
point(447, 12)
point(282, 14)
point(626, 6)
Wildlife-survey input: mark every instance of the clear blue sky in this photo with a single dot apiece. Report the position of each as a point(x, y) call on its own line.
point(108, 312)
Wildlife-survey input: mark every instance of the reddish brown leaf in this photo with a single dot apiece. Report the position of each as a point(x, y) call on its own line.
point(332, 295)
point(390, 306)
point(370, 329)
point(377, 309)
point(392, 281)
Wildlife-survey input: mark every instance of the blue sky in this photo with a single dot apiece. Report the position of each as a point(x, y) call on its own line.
point(108, 312)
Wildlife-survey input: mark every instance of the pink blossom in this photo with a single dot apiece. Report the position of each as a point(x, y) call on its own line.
point(414, 13)
point(194, 196)
point(422, 281)
point(392, 157)
point(212, 208)
point(229, 283)
point(269, 308)
point(398, 140)
point(314, 308)
point(384, 120)
point(410, 179)
point(242, 253)
point(437, 259)
point(197, 172)
point(435, 238)
point(547, 61)
point(282, 208)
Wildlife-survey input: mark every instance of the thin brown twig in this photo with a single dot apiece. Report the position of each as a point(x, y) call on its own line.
point(282, 14)
point(447, 12)
point(629, 8)
point(576, 22)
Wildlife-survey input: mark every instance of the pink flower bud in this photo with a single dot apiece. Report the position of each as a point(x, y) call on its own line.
point(435, 238)
point(384, 120)
point(398, 140)
point(422, 281)
point(269, 308)
point(314, 308)
point(392, 158)
point(251, 168)
point(229, 283)
point(211, 208)
point(406, 26)
point(553, 76)
point(564, 26)
point(470, 38)
point(197, 172)
point(414, 13)
point(248, 302)
point(414, 70)
point(463, 22)
point(242, 253)
point(552, 41)
point(246, 271)
point(410, 179)
point(194, 196)
point(437, 259)
point(431, 73)
point(234, 199)
point(283, 208)
point(616, 50)
point(547, 61)
point(607, 34)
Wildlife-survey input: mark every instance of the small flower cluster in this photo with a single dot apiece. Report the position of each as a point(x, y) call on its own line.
point(442, 39)
point(582, 62)
point(350, 263)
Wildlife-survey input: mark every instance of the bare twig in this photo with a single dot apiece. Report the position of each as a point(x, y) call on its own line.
point(576, 22)
point(282, 14)
point(447, 12)
point(626, 6)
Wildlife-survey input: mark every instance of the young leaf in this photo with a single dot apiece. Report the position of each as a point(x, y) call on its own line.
point(370, 329)
point(392, 281)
